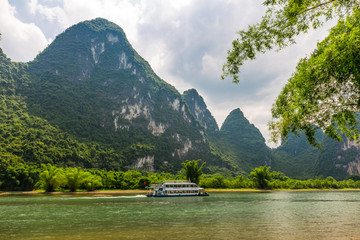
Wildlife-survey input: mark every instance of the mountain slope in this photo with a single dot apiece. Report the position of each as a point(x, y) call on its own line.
point(199, 109)
point(92, 84)
point(296, 158)
point(242, 142)
point(29, 140)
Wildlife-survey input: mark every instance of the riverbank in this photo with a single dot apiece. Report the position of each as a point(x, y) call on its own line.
point(214, 190)
point(100, 192)
point(211, 190)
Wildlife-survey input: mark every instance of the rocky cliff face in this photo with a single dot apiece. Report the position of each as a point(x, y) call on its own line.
point(351, 167)
point(199, 109)
point(338, 159)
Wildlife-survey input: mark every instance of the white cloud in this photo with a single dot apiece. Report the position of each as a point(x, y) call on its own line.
point(20, 41)
point(211, 66)
point(49, 13)
point(122, 12)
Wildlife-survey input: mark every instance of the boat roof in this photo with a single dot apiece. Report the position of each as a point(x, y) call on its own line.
point(176, 181)
point(170, 182)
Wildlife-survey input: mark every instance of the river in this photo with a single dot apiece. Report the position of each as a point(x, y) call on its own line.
point(238, 215)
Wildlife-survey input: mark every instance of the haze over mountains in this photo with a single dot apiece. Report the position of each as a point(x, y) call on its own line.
point(90, 100)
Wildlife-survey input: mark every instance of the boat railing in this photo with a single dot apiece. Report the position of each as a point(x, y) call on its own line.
point(176, 181)
point(152, 186)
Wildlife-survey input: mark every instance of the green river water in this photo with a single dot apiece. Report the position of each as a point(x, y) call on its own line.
point(270, 215)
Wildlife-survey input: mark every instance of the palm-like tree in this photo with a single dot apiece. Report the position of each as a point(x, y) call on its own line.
point(192, 170)
point(75, 177)
point(50, 178)
point(261, 177)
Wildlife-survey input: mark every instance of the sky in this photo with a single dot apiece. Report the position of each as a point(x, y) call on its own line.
point(185, 42)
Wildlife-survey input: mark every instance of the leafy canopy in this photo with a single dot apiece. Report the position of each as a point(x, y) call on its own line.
point(192, 170)
point(261, 177)
point(50, 178)
point(324, 90)
point(75, 177)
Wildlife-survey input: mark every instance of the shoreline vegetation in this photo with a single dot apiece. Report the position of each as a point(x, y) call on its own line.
point(53, 179)
point(139, 191)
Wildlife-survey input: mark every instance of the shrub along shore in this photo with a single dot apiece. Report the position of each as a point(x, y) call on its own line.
point(50, 178)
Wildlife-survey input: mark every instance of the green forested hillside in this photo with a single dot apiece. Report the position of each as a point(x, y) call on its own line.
point(31, 140)
point(27, 141)
point(296, 158)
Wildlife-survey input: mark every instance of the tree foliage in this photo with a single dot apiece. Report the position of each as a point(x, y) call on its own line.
point(323, 92)
point(51, 178)
point(76, 177)
point(261, 177)
point(192, 170)
point(282, 22)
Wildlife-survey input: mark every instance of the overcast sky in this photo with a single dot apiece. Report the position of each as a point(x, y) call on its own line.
point(185, 42)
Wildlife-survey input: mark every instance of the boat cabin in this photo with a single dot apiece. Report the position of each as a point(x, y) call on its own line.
point(176, 188)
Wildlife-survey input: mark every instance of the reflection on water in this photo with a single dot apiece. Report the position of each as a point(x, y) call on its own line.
point(273, 215)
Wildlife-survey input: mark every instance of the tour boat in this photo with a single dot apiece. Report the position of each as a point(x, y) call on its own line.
point(176, 189)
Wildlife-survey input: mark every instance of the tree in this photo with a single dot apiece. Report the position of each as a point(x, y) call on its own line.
point(76, 177)
point(324, 91)
point(51, 177)
point(192, 170)
point(93, 182)
point(261, 177)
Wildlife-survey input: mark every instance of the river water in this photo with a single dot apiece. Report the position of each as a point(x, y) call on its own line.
point(270, 215)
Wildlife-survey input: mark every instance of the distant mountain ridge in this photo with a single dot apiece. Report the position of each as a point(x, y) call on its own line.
point(90, 100)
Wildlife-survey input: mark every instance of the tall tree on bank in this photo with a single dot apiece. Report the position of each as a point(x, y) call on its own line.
point(76, 177)
point(192, 170)
point(50, 178)
point(324, 91)
point(261, 177)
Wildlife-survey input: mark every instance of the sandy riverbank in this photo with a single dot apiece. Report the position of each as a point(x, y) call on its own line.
point(104, 192)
